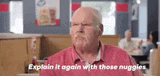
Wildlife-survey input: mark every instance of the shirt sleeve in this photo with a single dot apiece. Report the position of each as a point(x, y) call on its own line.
point(120, 44)
point(136, 72)
point(47, 72)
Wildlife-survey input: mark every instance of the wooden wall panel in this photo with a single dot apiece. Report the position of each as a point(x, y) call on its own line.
point(110, 39)
point(51, 44)
point(0, 59)
point(158, 60)
point(14, 55)
point(154, 62)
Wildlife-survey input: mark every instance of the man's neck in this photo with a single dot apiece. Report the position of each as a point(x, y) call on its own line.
point(88, 54)
point(128, 40)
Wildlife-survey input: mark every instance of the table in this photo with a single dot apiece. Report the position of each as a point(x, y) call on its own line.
point(138, 56)
point(27, 75)
point(137, 52)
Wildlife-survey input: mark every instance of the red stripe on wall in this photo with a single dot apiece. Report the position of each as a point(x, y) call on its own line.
point(57, 22)
point(121, 7)
point(75, 7)
point(4, 8)
point(36, 22)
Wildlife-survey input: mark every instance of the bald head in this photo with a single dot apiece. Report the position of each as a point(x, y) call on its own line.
point(89, 12)
point(88, 15)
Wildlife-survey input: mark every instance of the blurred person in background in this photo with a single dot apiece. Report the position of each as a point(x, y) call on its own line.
point(127, 43)
point(151, 43)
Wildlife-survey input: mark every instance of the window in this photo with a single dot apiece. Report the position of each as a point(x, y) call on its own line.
point(16, 16)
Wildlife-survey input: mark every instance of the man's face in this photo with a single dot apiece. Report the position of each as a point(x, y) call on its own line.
point(84, 31)
point(129, 35)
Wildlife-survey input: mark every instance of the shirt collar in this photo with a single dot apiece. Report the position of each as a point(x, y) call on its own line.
point(128, 41)
point(99, 57)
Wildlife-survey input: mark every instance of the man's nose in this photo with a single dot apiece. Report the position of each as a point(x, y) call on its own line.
point(80, 28)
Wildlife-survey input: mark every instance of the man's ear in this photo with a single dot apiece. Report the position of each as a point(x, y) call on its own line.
point(101, 29)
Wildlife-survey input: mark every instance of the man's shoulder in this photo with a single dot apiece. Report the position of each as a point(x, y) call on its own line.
point(116, 50)
point(117, 54)
point(122, 40)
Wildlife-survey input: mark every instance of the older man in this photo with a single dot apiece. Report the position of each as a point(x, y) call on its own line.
point(88, 49)
point(127, 43)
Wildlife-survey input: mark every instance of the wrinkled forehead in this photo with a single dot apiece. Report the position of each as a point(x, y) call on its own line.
point(83, 15)
point(129, 32)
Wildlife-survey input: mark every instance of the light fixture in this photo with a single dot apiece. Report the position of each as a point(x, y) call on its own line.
point(138, 1)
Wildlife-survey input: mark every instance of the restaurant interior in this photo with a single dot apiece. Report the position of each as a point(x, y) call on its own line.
point(33, 30)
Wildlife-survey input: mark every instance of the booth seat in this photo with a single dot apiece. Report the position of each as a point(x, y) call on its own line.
point(153, 62)
point(16, 49)
point(16, 53)
point(51, 43)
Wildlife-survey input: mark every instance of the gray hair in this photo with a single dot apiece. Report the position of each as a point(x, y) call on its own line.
point(127, 31)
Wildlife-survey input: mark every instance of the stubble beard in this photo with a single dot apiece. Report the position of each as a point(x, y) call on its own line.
point(81, 41)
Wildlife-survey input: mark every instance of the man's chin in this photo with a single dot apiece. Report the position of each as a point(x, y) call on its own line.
point(79, 39)
point(80, 45)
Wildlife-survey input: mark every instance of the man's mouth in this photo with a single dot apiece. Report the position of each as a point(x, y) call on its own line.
point(79, 37)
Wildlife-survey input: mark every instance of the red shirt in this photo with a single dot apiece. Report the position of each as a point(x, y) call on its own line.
point(109, 56)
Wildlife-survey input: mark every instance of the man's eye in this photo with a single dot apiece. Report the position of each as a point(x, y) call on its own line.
point(75, 24)
point(85, 24)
